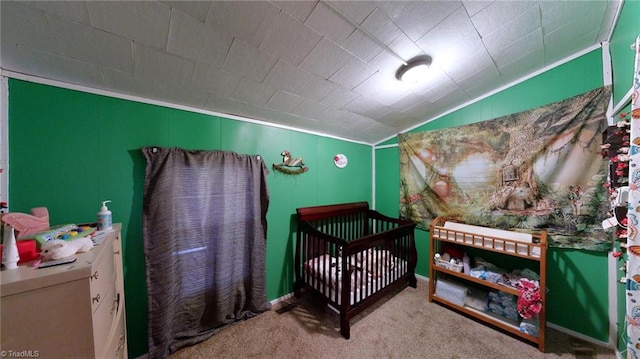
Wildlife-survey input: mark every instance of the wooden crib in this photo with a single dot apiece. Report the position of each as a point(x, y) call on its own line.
point(377, 253)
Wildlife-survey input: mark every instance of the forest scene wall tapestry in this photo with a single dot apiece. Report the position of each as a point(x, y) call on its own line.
point(537, 169)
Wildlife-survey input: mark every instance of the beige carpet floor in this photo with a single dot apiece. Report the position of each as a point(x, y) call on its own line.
point(403, 326)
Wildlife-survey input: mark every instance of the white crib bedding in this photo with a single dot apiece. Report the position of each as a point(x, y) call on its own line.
point(366, 279)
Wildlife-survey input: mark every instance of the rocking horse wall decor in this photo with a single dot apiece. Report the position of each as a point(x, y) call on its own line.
point(290, 165)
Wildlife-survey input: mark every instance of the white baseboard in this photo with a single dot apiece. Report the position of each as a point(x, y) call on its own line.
point(579, 335)
point(281, 299)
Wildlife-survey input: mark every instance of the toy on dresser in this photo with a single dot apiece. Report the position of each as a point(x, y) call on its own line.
point(58, 248)
point(51, 245)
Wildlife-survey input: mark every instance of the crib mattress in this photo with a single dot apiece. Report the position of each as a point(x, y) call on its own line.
point(326, 270)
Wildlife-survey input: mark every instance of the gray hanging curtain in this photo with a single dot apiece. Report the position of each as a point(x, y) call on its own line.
point(204, 232)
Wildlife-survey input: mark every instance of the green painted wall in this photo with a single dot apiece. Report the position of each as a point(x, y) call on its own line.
point(69, 150)
point(577, 280)
point(622, 56)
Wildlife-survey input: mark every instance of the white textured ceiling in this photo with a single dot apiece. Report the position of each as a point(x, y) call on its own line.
point(327, 67)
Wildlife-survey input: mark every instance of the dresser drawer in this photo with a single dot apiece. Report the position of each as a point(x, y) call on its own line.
point(116, 342)
point(104, 319)
point(117, 347)
point(102, 277)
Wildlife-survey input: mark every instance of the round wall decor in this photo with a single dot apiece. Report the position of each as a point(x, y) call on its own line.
point(340, 160)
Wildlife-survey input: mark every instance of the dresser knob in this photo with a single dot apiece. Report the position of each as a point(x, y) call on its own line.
point(96, 299)
point(94, 275)
point(117, 252)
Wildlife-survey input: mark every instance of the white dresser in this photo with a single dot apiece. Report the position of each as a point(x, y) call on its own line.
point(72, 310)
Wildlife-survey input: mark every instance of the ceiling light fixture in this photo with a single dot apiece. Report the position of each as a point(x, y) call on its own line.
point(411, 72)
point(414, 71)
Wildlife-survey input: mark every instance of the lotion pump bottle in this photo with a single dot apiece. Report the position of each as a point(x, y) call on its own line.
point(104, 217)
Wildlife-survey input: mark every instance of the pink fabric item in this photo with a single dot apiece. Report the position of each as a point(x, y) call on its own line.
point(529, 301)
point(27, 224)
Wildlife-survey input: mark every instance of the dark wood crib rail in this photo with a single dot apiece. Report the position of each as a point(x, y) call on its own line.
point(344, 233)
